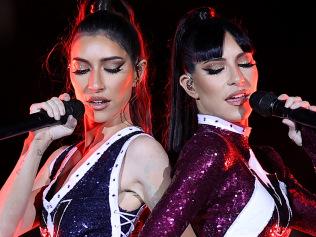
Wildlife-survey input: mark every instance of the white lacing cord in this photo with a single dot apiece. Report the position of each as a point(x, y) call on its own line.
point(128, 221)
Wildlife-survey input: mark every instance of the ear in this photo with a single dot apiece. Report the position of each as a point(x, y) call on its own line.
point(187, 84)
point(139, 72)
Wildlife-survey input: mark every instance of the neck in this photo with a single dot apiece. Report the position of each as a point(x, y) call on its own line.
point(242, 123)
point(96, 132)
point(224, 124)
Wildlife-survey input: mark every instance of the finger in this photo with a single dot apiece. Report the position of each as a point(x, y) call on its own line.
point(34, 108)
point(300, 104)
point(295, 136)
point(48, 109)
point(289, 123)
point(60, 105)
point(291, 100)
point(312, 108)
point(54, 108)
point(41, 106)
point(283, 97)
point(71, 122)
point(65, 97)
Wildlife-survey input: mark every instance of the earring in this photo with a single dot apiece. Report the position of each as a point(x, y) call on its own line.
point(138, 70)
point(190, 83)
point(135, 82)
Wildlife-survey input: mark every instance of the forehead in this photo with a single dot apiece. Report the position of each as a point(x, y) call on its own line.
point(96, 46)
point(230, 46)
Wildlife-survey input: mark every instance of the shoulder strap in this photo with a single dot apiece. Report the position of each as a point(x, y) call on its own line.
point(58, 161)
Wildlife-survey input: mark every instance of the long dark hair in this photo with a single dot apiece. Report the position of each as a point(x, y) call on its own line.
point(115, 20)
point(199, 37)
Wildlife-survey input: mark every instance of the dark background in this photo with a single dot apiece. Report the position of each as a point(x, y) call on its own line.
point(284, 35)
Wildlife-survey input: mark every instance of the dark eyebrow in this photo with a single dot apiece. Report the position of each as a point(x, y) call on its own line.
point(222, 59)
point(102, 59)
point(111, 58)
point(214, 59)
point(243, 54)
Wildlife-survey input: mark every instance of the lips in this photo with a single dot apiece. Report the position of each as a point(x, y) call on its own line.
point(237, 98)
point(98, 103)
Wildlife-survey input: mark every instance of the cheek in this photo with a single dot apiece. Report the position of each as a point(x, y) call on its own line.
point(123, 87)
point(255, 78)
point(252, 77)
point(78, 85)
point(212, 88)
point(211, 93)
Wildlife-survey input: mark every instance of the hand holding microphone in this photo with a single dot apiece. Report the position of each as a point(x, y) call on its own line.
point(292, 109)
point(45, 116)
point(295, 103)
point(55, 108)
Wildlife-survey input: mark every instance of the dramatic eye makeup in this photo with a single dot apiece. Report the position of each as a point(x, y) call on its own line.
point(79, 67)
point(214, 66)
point(246, 60)
point(111, 65)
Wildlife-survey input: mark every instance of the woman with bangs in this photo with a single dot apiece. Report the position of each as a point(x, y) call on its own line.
point(221, 185)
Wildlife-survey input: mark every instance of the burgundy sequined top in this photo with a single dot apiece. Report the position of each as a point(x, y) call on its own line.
point(222, 189)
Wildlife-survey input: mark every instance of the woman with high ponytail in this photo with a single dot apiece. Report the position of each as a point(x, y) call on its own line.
point(222, 185)
point(100, 185)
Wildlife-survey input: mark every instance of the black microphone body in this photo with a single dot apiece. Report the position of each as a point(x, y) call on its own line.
point(267, 104)
point(41, 119)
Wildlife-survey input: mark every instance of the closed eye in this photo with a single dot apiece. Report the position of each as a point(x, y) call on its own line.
point(213, 71)
point(113, 70)
point(81, 71)
point(246, 65)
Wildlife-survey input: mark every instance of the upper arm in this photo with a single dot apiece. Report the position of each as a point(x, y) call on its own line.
point(149, 167)
point(303, 205)
point(308, 139)
point(302, 201)
point(197, 170)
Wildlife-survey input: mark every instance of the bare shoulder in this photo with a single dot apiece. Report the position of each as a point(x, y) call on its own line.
point(144, 149)
point(147, 167)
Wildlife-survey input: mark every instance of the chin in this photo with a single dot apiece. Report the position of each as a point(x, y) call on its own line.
point(239, 118)
point(97, 118)
point(101, 119)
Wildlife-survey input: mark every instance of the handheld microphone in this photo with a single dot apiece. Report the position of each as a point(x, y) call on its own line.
point(267, 104)
point(41, 119)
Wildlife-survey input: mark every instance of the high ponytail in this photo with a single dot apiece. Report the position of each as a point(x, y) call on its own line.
point(99, 5)
point(199, 37)
point(115, 19)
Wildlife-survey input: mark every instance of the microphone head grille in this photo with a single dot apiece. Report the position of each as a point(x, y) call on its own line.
point(75, 108)
point(262, 102)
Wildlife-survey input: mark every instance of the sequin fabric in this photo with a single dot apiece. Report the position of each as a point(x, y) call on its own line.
point(211, 186)
point(309, 144)
point(85, 209)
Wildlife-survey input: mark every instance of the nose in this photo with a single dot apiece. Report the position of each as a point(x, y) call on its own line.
point(96, 82)
point(237, 77)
